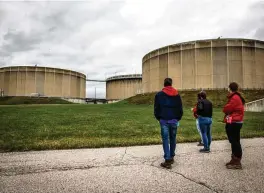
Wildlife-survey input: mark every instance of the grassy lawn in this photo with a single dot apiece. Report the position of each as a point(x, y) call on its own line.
point(38, 127)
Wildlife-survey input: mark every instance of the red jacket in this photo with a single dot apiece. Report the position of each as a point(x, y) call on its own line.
point(195, 111)
point(234, 107)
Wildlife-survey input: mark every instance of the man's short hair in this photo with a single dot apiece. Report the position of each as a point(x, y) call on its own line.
point(233, 86)
point(168, 82)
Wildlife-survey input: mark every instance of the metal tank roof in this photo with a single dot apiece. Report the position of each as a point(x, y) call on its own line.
point(128, 76)
point(193, 42)
point(39, 68)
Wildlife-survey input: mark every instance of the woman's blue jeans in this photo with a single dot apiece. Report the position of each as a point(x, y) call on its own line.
point(205, 124)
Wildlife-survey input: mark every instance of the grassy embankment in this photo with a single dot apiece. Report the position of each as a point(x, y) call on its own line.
point(31, 100)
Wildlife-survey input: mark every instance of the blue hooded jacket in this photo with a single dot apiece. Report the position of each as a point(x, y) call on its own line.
point(168, 104)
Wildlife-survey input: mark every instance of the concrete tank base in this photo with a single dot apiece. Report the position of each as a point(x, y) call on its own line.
point(255, 106)
point(78, 101)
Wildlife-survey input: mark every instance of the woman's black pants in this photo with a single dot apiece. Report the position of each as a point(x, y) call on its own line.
point(233, 134)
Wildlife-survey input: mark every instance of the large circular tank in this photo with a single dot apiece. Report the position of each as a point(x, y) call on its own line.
point(123, 86)
point(44, 81)
point(205, 64)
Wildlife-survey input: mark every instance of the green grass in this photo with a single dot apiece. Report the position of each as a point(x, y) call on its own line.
point(31, 100)
point(39, 127)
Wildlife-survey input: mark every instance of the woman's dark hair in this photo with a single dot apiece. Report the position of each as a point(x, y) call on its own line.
point(201, 95)
point(167, 82)
point(233, 86)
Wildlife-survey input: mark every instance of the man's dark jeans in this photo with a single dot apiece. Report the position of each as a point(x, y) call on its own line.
point(233, 134)
point(168, 134)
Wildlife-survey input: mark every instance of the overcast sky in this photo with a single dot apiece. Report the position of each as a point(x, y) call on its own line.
point(101, 38)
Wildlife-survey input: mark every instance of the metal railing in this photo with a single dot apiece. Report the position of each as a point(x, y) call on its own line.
point(129, 76)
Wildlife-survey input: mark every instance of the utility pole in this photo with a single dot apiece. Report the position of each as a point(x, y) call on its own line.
point(95, 95)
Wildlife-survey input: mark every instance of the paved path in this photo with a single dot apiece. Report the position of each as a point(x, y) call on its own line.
point(133, 169)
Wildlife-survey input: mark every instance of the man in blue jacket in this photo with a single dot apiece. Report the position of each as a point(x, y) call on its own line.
point(168, 111)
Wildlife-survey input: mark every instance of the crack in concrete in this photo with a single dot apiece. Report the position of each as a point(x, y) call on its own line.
point(25, 171)
point(17, 173)
point(196, 182)
point(143, 160)
point(123, 156)
point(152, 163)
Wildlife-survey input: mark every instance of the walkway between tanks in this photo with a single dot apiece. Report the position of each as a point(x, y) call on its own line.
point(133, 169)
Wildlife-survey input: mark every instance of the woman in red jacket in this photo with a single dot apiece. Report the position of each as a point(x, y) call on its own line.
point(234, 115)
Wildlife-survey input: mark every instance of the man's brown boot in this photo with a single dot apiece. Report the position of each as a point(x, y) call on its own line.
point(171, 161)
point(236, 164)
point(166, 164)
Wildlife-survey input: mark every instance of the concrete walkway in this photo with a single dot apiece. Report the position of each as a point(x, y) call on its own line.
point(133, 169)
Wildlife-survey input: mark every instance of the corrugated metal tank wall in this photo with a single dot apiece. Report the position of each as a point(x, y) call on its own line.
point(50, 82)
point(205, 64)
point(118, 88)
